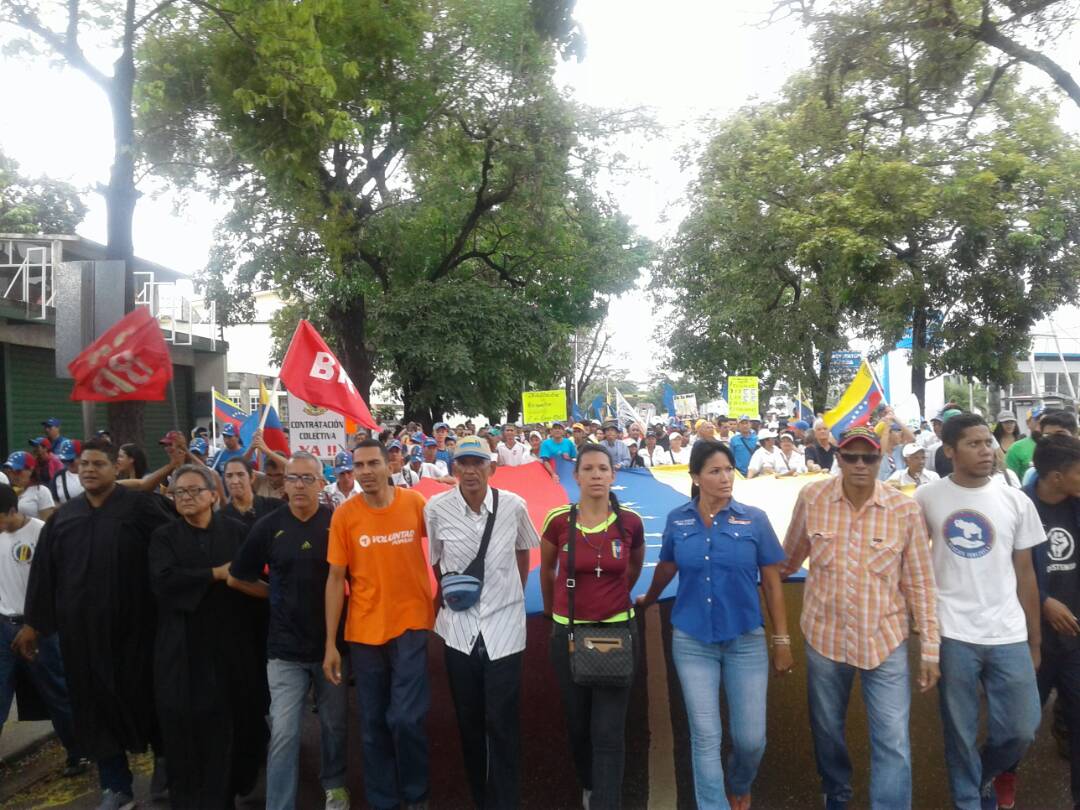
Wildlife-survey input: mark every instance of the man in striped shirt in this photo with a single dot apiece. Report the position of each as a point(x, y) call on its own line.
point(870, 568)
point(485, 643)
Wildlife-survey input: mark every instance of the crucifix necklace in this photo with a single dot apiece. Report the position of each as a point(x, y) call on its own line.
point(599, 552)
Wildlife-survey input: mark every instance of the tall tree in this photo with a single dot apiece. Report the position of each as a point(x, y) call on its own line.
point(399, 162)
point(772, 282)
point(839, 222)
point(952, 34)
point(60, 30)
point(36, 204)
point(990, 205)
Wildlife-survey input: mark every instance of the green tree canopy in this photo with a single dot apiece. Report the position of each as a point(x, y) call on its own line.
point(410, 174)
point(809, 222)
point(949, 42)
point(36, 204)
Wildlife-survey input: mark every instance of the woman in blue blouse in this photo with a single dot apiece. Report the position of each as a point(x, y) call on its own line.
point(718, 546)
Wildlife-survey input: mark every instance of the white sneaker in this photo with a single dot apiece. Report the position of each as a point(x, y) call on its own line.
point(338, 799)
point(111, 800)
point(586, 795)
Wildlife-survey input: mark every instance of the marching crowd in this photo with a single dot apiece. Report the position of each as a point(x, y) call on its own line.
point(193, 608)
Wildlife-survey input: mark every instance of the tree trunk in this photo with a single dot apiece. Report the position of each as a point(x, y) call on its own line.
point(765, 394)
point(918, 357)
point(125, 418)
point(350, 326)
point(513, 411)
point(413, 411)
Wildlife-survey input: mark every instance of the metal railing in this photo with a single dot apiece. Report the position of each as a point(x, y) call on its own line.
point(177, 314)
point(35, 292)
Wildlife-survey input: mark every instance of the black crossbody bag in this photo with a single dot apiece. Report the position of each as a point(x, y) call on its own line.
point(600, 654)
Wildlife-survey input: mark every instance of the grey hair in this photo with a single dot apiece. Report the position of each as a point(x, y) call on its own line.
point(819, 422)
point(304, 455)
point(201, 470)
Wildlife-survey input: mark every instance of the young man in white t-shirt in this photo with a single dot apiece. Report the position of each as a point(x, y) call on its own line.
point(988, 609)
point(512, 453)
point(18, 540)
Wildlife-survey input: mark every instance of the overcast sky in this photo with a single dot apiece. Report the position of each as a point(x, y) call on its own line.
point(684, 59)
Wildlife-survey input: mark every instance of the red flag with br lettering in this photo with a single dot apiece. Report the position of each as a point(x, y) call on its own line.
point(130, 361)
point(311, 372)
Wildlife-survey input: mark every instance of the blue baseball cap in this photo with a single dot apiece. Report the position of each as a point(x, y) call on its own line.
point(52, 421)
point(394, 445)
point(415, 455)
point(20, 460)
point(430, 443)
point(438, 425)
point(343, 462)
point(67, 451)
point(229, 430)
point(472, 446)
point(418, 437)
point(41, 441)
point(198, 447)
point(802, 424)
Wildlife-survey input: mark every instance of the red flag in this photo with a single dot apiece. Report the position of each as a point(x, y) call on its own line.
point(311, 372)
point(130, 361)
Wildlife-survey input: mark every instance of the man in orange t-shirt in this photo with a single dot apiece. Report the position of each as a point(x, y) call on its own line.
point(378, 536)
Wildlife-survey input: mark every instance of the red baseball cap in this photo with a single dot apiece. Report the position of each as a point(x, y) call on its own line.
point(856, 433)
point(172, 437)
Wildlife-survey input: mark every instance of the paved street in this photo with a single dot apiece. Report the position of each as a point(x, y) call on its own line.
point(658, 755)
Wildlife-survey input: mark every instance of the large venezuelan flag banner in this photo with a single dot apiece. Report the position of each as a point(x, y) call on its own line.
point(652, 493)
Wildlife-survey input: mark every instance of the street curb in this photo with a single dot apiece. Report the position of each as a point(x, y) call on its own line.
point(28, 748)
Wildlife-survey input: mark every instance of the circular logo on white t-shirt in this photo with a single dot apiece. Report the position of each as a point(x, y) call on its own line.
point(1060, 543)
point(968, 534)
point(22, 553)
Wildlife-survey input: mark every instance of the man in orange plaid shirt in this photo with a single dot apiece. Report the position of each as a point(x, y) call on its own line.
point(870, 569)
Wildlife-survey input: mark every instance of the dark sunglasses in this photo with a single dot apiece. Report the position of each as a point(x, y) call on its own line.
point(869, 459)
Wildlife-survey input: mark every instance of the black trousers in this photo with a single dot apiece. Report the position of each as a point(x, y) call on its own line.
point(596, 725)
point(1061, 668)
point(487, 699)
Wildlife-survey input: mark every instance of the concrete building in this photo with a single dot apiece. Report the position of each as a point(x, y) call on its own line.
point(32, 276)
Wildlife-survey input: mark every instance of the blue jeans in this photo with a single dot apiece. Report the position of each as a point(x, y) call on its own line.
point(742, 666)
point(394, 695)
point(289, 683)
point(1007, 676)
point(47, 673)
point(886, 692)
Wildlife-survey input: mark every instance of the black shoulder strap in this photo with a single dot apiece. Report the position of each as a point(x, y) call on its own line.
point(476, 567)
point(571, 583)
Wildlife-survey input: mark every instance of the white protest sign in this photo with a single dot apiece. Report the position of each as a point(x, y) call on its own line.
point(315, 430)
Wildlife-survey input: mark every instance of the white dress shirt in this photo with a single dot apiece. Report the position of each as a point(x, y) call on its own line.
point(659, 456)
point(763, 457)
point(513, 456)
point(454, 534)
point(796, 464)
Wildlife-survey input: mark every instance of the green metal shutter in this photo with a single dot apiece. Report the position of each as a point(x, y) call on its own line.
point(33, 393)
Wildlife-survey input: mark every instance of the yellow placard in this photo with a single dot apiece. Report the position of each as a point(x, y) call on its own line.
point(743, 397)
point(543, 406)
